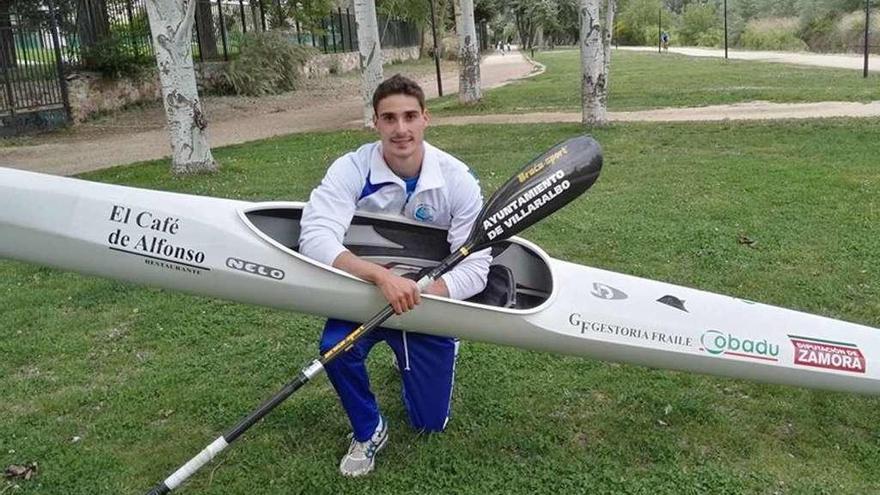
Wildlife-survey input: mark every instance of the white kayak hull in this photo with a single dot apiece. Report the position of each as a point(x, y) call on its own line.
point(208, 246)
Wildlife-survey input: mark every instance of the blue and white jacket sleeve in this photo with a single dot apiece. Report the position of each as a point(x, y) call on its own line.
point(469, 277)
point(329, 211)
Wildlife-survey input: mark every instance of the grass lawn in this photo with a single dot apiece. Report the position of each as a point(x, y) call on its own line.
point(642, 80)
point(144, 379)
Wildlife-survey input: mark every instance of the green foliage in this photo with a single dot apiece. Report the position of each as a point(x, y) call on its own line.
point(484, 10)
point(562, 26)
point(309, 13)
point(269, 63)
point(822, 25)
point(418, 11)
point(819, 33)
point(116, 57)
point(558, 19)
point(711, 37)
point(652, 37)
point(777, 33)
point(637, 22)
point(700, 25)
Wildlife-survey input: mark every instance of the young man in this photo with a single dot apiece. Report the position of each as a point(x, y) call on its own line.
point(403, 175)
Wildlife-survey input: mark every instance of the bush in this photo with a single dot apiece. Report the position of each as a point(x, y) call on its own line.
point(269, 63)
point(773, 33)
point(850, 30)
point(710, 37)
point(652, 38)
point(116, 57)
point(700, 25)
point(819, 34)
point(636, 23)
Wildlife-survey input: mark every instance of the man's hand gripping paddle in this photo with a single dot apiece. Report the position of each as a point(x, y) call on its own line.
point(545, 185)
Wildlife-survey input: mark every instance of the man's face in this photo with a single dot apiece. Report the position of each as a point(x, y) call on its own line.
point(401, 124)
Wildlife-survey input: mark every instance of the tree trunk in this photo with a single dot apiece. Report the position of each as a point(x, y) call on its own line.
point(255, 15)
point(608, 31)
point(171, 24)
point(457, 13)
point(524, 27)
point(370, 54)
point(593, 94)
point(205, 27)
point(469, 56)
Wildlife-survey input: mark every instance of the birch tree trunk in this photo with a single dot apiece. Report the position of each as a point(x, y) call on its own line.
point(593, 93)
point(171, 23)
point(469, 56)
point(370, 54)
point(608, 31)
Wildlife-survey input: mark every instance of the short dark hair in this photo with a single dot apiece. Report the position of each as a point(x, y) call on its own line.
point(398, 85)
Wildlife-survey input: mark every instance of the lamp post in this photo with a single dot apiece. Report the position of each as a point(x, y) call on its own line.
point(725, 29)
point(867, 28)
point(659, 28)
point(436, 53)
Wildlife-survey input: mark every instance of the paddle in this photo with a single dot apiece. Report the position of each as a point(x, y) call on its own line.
point(543, 186)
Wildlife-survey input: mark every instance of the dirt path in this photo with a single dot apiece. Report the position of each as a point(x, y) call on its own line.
point(323, 104)
point(754, 110)
point(333, 103)
point(835, 60)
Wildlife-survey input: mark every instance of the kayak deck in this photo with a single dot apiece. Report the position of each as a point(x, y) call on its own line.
point(519, 277)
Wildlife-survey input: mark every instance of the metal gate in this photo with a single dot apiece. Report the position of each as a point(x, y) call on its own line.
point(33, 91)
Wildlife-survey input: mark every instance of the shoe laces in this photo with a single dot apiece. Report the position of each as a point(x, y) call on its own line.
point(362, 449)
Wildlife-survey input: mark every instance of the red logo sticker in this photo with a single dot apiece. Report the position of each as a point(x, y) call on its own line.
point(827, 354)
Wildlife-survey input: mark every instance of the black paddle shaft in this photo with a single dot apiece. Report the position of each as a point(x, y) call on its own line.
point(305, 375)
point(544, 185)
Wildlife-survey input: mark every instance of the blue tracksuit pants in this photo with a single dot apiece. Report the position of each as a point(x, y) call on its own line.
point(427, 368)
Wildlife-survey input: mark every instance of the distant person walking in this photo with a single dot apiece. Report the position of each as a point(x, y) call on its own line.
point(664, 41)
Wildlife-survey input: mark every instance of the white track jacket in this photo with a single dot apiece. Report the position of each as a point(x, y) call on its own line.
point(446, 195)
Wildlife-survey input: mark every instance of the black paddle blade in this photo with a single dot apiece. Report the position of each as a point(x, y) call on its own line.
point(545, 185)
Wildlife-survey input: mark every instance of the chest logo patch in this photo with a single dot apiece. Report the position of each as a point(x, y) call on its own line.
point(424, 213)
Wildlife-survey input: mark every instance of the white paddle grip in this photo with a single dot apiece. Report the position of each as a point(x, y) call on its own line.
point(196, 463)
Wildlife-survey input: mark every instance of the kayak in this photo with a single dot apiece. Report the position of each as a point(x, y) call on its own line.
point(247, 252)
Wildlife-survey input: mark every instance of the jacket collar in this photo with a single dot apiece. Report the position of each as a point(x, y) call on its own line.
point(430, 176)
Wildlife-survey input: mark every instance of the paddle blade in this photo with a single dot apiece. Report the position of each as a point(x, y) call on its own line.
point(544, 185)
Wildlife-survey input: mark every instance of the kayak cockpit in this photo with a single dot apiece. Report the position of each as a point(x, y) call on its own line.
point(519, 277)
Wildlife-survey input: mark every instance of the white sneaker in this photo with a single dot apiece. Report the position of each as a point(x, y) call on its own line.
point(361, 456)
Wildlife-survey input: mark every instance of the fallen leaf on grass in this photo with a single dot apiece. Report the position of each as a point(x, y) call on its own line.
point(25, 472)
point(746, 240)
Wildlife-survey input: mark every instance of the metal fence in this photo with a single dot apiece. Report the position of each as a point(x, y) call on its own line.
point(218, 30)
point(36, 43)
point(30, 56)
point(221, 25)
